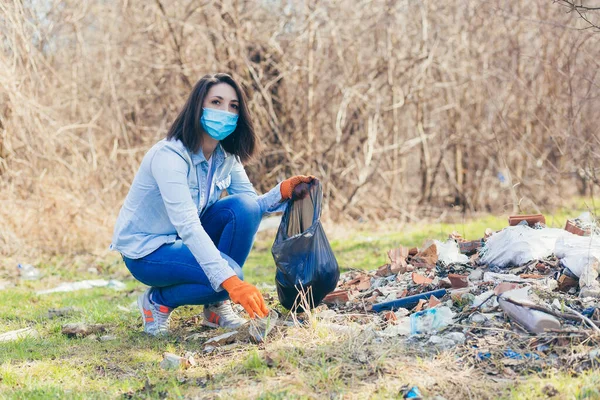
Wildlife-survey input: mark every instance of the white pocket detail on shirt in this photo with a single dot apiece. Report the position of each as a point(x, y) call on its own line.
point(224, 183)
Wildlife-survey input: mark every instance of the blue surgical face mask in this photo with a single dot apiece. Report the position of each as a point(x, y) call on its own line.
point(217, 123)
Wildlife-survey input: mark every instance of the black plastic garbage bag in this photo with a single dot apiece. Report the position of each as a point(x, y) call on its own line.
point(306, 266)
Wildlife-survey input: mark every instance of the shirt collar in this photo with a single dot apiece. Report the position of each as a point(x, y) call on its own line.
point(218, 156)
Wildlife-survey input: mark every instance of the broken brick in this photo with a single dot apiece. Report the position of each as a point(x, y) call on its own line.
point(426, 258)
point(531, 276)
point(433, 301)
point(372, 299)
point(420, 305)
point(384, 271)
point(470, 247)
point(390, 316)
point(530, 219)
point(458, 281)
point(445, 283)
point(574, 229)
point(566, 282)
point(456, 236)
point(420, 279)
point(337, 297)
point(505, 287)
point(361, 283)
point(398, 260)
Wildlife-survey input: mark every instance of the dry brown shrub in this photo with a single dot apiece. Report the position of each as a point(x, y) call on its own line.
point(402, 108)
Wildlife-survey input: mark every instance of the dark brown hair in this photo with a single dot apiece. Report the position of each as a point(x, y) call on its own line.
point(242, 143)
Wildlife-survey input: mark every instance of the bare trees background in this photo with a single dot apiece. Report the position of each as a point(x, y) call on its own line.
point(402, 108)
point(588, 10)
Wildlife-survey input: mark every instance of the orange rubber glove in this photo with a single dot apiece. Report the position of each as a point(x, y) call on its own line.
point(287, 186)
point(247, 295)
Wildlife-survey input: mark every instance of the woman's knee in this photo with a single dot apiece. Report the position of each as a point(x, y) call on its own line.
point(245, 207)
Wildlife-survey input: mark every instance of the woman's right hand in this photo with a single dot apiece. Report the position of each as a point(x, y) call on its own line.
point(296, 187)
point(247, 295)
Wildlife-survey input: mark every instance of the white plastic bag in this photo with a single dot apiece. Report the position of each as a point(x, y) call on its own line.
point(449, 252)
point(581, 255)
point(577, 252)
point(517, 245)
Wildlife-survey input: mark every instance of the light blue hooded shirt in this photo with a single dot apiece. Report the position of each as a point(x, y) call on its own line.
point(165, 200)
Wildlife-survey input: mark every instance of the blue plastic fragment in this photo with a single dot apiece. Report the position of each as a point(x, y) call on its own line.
point(408, 302)
point(589, 312)
point(413, 393)
point(517, 356)
point(509, 354)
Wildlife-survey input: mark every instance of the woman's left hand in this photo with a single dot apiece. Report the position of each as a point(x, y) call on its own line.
point(296, 186)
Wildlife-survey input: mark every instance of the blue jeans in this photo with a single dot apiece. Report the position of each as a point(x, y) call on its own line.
point(174, 274)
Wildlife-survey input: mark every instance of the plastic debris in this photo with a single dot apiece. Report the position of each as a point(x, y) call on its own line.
point(430, 320)
point(29, 272)
point(447, 341)
point(413, 392)
point(261, 327)
point(581, 256)
point(533, 320)
point(436, 304)
point(81, 285)
point(449, 253)
point(518, 356)
point(408, 302)
point(518, 245)
point(173, 361)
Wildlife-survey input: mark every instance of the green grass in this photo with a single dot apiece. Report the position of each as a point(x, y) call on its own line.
point(312, 365)
point(584, 386)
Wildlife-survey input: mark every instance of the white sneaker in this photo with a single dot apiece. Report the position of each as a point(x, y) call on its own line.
point(221, 315)
point(154, 316)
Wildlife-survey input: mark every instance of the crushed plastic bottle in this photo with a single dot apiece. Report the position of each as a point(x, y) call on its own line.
point(430, 320)
point(260, 327)
point(29, 272)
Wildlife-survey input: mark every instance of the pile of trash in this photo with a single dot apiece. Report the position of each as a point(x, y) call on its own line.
point(524, 295)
